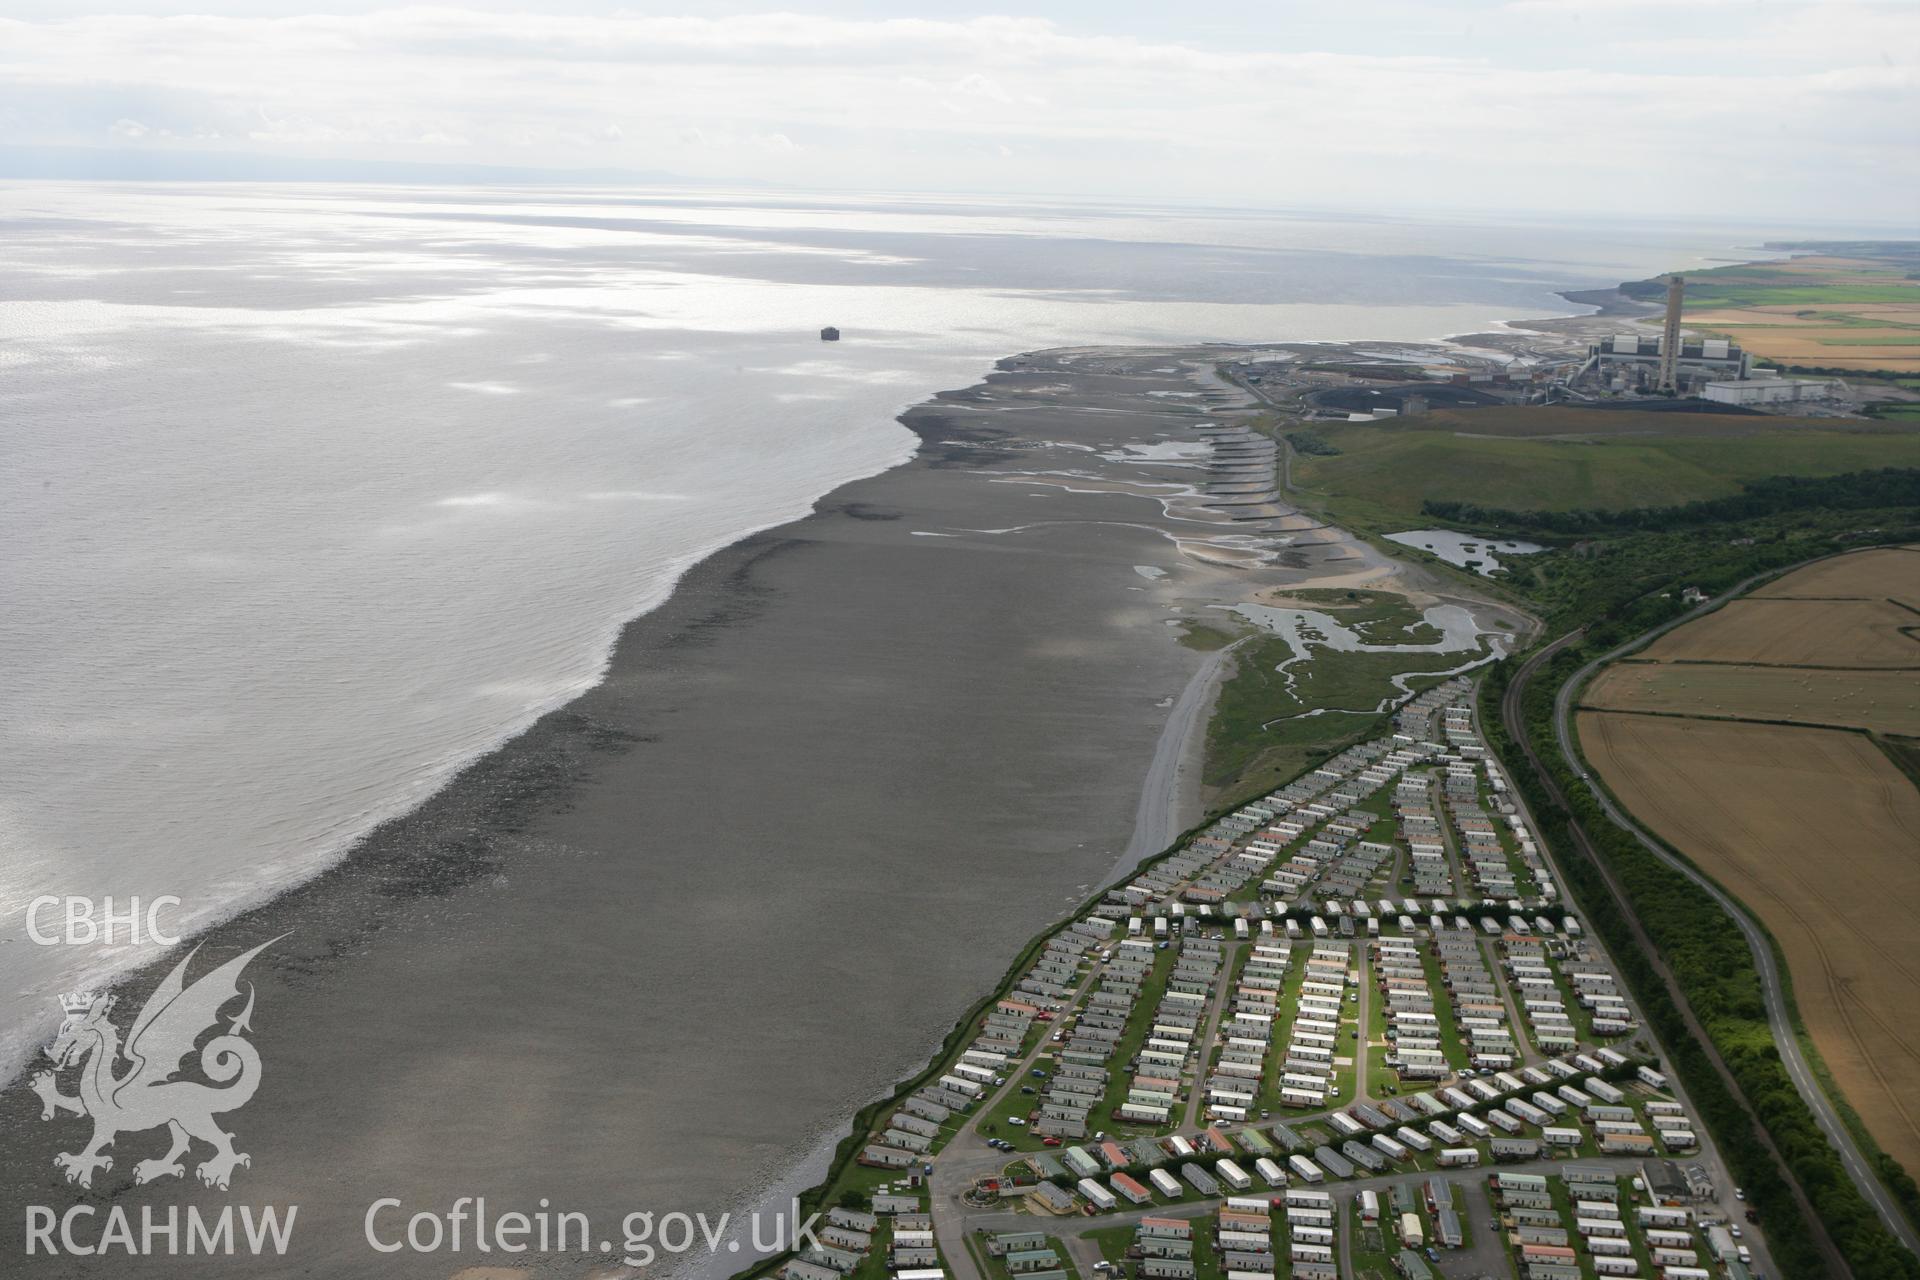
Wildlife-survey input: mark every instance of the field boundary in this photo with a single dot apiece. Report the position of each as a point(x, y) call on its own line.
point(1726, 719)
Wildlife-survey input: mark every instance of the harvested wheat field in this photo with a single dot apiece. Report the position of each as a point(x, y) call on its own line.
point(1775, 632)
point(1885, 573)
point(1883, 701)
point(1734, 316)
point(1819, 833)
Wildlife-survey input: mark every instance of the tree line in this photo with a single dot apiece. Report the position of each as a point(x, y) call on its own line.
point(1775, 495)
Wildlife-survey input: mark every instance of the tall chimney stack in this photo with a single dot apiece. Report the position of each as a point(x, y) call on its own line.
point(1670, 337)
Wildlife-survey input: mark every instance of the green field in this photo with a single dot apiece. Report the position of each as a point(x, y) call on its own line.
point(1265, 731)
point(1859, 311)
point(1803, 282)
point(1560, 458)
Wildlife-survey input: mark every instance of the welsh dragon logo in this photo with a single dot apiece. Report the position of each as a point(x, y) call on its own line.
point(144, 1094)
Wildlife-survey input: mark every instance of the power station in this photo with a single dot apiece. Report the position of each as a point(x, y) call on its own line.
point(1670, 337)
point(1667, 365)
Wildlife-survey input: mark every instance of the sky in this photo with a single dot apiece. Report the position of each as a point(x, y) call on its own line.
point(1763, 109)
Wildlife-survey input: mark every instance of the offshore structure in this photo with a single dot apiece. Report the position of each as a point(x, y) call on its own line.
point(1669, 383)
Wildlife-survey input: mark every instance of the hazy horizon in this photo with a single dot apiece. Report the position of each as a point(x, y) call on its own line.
point(1780, 113)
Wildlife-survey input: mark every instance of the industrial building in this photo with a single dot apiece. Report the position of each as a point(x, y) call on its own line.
point(1632, 362)
point(1766, 391)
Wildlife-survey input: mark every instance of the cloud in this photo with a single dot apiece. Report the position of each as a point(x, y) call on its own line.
point(1525, 105)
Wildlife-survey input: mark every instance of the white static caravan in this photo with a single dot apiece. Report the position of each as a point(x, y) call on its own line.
point(962, 1085)
point(1165, 1183)
point(1305, 1169)
point(1101, 1198)
point(1270, 1173)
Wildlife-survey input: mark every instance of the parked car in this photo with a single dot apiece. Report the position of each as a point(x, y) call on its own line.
point(1049, 1142)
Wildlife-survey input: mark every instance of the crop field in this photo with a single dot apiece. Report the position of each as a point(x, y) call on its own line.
point(1822, 312)
point(1559, 458)
point(1886, 573)
point(1816, 830)
point(1882, 701)
point(1792, 633)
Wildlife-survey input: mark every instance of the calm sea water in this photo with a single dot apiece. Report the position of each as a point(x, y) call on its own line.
point(313, 494)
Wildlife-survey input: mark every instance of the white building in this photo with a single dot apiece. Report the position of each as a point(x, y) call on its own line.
point(1752, 391)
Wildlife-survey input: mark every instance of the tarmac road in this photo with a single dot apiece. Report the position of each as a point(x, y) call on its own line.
point(1859, 1170)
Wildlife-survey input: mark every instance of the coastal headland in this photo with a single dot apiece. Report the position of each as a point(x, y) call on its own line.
point(654, 953)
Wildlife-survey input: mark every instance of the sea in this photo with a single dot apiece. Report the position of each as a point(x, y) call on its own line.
point(313, 494)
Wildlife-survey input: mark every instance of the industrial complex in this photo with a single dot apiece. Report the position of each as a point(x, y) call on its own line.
point(1604, 360)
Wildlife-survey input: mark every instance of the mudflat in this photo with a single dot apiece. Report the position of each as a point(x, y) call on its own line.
point(652, 954)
